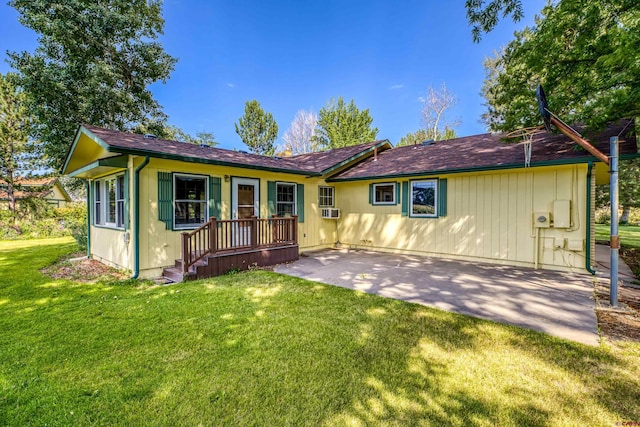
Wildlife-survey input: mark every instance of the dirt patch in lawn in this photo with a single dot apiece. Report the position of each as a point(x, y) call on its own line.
point(622, 323)
point(81, 269)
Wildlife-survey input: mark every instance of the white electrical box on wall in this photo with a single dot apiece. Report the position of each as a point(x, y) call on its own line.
point(562, 213)
point(541, 220)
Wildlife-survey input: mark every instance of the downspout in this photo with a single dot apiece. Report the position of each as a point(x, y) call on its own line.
point(89, 209)
point(136, 218)
point(588, 257)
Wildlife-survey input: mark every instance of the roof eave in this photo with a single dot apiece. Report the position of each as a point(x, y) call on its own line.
point(355, 157)
point(586, 159)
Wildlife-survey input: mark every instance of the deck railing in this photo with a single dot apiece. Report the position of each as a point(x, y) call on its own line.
point(232, 235)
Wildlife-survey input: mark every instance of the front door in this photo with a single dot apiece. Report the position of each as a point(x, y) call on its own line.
point(245, 204)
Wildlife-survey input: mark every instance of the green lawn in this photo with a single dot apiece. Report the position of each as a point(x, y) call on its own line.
point(258, 348)
point(629, 234)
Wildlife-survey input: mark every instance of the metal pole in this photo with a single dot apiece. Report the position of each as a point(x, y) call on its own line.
point(614, 241)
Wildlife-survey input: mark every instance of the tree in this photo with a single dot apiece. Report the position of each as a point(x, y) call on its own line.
point(93, 64)
point(434, 108)
point(18, 152)
point(483, 18)
point(257, 129)
point(299, 137)
point(628, 189)
point(174, 133)
point(341, 125)
point(421, 135)
point(587, 55)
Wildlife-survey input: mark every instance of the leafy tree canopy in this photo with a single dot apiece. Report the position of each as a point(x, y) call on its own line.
point(484, 16)
point(587, 56)
point(174, 133)
point(342, 125)
point(93, 64)
point(421, 135)
point(257, 129)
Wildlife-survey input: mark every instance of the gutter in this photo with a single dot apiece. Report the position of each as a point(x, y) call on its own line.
point(587, 260)
point(136, 218)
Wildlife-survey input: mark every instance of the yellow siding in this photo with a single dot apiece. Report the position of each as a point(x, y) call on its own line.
point(56, 197)
point(160, 247)
point(108, 245)
point(489, 218)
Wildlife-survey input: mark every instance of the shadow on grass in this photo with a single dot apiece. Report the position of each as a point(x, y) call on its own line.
point(263, 349)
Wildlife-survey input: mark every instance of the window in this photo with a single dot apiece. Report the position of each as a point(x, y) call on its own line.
point(326, 197)
point(109, 201)
point(285, 199)
point(97, 196)
point(384, 194)
point(423, 198)
point(190, 200)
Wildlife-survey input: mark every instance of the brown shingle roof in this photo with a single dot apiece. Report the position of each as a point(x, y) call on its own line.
point(485, 151)
point(309, 164)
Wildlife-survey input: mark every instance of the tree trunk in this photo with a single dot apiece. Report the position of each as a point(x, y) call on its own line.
point(624, 218)
point(11, 195)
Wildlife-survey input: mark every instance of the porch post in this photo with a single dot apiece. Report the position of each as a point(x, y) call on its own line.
point(294, 225)
point(614, 240)
point(254, 232)
point(185, 251)
point(213, 231)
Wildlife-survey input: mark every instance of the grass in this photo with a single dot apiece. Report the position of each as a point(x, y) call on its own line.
point(629, 243)
point(259, 348)
point(629, 234)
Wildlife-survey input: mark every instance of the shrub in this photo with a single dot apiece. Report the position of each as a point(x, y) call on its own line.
point(74, 219)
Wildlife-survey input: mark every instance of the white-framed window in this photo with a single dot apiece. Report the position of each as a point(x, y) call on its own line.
point(97, 200)
point(190, 197)
point(108, 201)
point(424, 198)
point(384, 193)
point(285, 199)
point(326, 197)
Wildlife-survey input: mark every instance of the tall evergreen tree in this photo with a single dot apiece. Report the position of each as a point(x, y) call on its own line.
point(93, 64)
point(18, 153)
point(342, 125)
point(257, 129)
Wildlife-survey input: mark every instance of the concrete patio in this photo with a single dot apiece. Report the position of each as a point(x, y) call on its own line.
point(557, 303)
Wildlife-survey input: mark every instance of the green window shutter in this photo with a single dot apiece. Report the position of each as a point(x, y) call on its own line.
point(300, 202)
point(442, 197)
point(405, 198)
point(271, 198)
point(370, 194)
point(215, 197)
point(165, 199)
point(397, 193)
point(126, 199)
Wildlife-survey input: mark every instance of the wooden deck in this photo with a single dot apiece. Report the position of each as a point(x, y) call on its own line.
point(220, 246)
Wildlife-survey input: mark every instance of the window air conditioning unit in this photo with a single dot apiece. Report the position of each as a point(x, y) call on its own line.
point(330, 213)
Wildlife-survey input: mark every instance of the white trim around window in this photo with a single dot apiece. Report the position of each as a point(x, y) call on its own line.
point(108, 201)
point(384, 193)
point(326, 196)
point(423, 198)
point(190, 201)
point(286, 198)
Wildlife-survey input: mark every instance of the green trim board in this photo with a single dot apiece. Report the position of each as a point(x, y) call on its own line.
point(479, 169)
point(82, 130)
point(101, 166)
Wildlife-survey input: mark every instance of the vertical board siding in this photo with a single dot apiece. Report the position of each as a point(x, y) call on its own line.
point(489, 217)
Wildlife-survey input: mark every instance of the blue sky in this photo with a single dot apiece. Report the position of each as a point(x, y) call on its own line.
point(298, 55)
